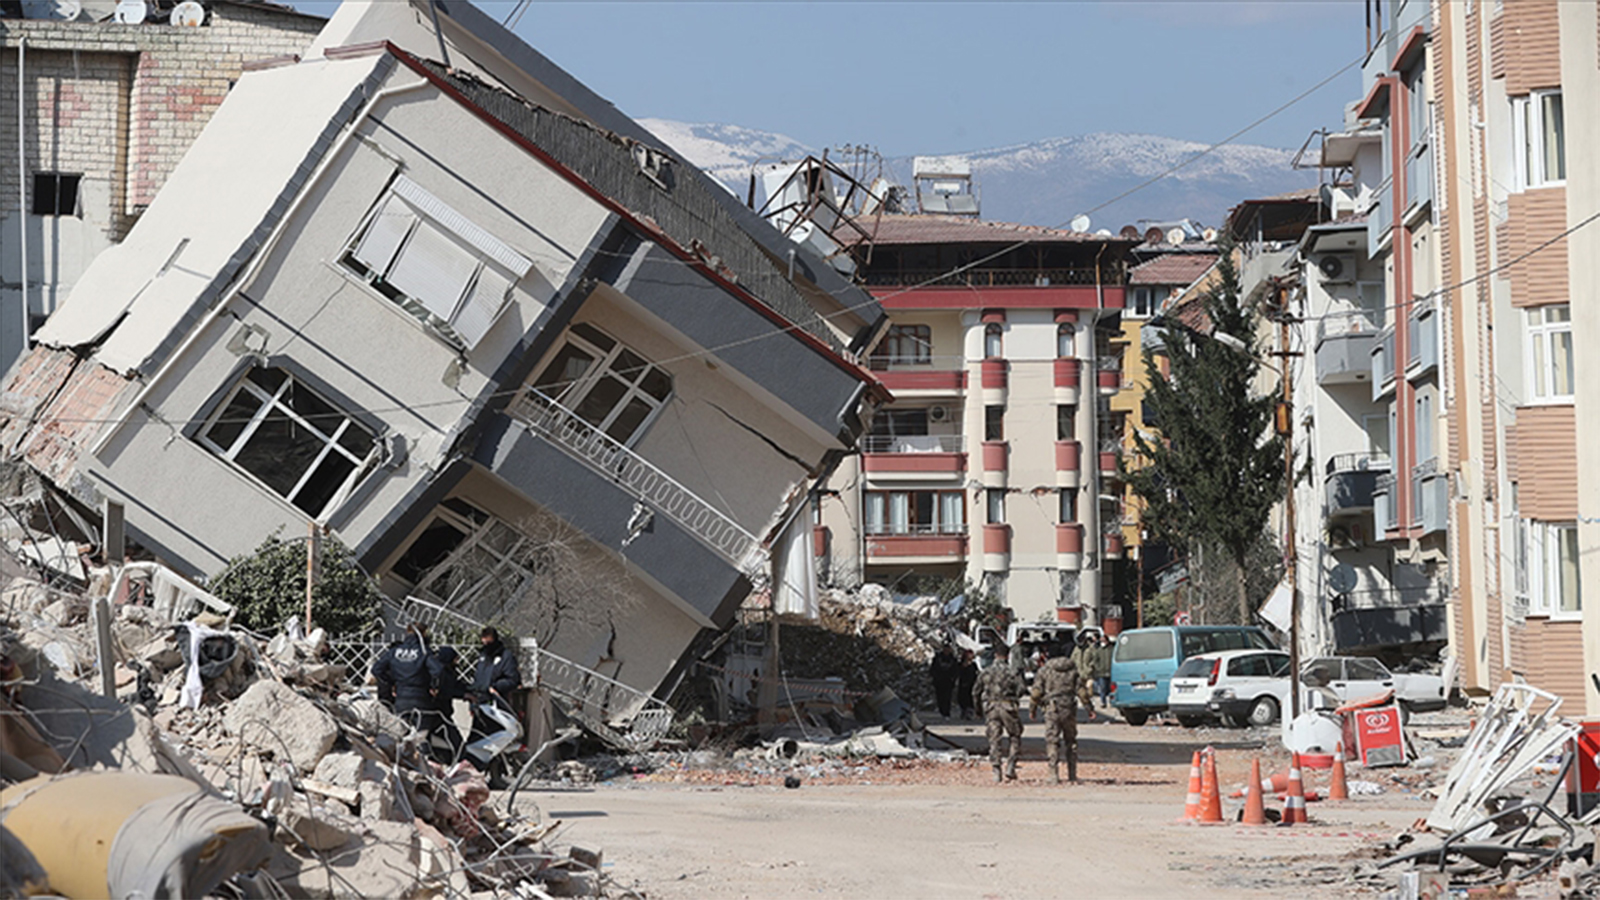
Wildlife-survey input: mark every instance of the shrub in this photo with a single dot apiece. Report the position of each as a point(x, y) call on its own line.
point(268, 587)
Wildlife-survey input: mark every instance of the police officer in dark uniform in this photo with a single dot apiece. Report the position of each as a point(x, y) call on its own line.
point(408, 677)
point(493, 681)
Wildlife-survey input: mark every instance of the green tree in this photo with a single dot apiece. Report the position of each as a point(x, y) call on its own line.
point(268, 587)
point(1215, 470)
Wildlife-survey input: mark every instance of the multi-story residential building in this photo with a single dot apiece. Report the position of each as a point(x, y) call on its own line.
point(107, 110)
point(438, 309)
point(1469, 115)
point(994, 461)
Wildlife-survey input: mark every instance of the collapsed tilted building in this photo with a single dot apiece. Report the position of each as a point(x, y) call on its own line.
point(422, 287)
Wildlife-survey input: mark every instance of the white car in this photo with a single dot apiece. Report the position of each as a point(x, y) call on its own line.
point(1351, 678)
point(1236, 686)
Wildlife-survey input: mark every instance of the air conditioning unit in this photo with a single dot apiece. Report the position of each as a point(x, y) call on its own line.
point(938, 413)
point(1337, 269)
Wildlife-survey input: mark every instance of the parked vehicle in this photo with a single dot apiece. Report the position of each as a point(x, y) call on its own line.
point(1351, 678)
point(1145, 658)
point(1237, 686)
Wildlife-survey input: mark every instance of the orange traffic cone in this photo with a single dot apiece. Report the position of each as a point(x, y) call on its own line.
point(1210, 793)
point(1294, 808)
point(1191, 803)
point(1277, 784)
point(1254, 813)
point(1337, 789)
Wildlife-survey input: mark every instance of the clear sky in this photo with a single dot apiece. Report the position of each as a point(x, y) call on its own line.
point(942, 77)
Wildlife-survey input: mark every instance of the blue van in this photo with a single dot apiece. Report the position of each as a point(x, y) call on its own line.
point(1145, 658)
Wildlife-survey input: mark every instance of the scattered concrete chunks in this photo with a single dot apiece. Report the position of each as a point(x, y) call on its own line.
point(272, 717)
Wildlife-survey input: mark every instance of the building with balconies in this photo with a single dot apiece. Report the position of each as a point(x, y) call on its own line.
point(439, 309)
point(988, 464)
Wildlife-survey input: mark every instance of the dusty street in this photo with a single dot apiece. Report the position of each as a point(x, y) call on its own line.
point(946, 830)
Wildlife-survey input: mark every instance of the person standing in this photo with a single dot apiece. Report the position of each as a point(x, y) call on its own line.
point(408, 677)
point(493, 680)
point(998, 693)
point(450, 689)
point(1056, 687)
point(1101, 667)
point(943, 672)
point(966, 681)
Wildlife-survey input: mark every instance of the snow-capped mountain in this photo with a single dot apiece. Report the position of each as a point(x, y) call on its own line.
point(1045, 182)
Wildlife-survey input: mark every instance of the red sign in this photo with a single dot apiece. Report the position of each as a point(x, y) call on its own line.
point(1378, 740)
point(1583, 779)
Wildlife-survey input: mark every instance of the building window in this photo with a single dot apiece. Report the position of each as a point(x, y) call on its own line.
point(1068, 502)
point(1550, 352)
point(55, 194)
point(1066, 422)
point(915, 512)
point(1422, 434)
point(905, 345)
point(1550, 558)
point(996, 505)
point(994, 423)
point(299, 445)
point(435, 263)
point(1144, 303)
point(471, 560)
point(1066, 335)
point(993, 346)
point(1068, 595)
point(607, 385)
point(1539, 132)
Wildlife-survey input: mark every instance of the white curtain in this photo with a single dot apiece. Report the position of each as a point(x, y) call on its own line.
point(950, 512)
point(794, 572)
point(899, 512)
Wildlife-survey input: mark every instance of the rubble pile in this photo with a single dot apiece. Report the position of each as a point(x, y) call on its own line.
point(260, 748)
point(871, 641)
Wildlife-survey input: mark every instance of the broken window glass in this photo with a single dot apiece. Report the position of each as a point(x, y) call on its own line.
point(291, 439)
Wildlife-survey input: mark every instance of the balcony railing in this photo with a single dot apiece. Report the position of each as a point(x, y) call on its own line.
point(1352, 480)
point(1385, 505)
point(981, 277)
point(913, 443)
point(641, 478)
point(915, 529)
point(1339, 324)
point(1383, 363)
point(1359, 462)
point(1422, 354)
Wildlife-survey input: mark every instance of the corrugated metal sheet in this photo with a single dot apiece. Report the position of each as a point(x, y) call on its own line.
point(684, 209)
point(1546, 469)
point(1534, 217)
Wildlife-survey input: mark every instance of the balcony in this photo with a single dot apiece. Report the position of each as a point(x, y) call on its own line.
point(1110, 273)
point(919, 455)
point(1385, 503)
point(1380, 219)
point(1352, 481)
point(1344, 348)
point(994, 376)
point(1419, 181)
point(1108, 374)
point(1383, 364)
point(1069, 464)
point(1069, 547)
point(1067, 379)
point(1388, 618)
point(918, 543)
point(996, 547)
point(1430, 497)
point(923, 381)
point(1113, 544)
point(995, 463)
point(1108, 462)
point(1422, 356)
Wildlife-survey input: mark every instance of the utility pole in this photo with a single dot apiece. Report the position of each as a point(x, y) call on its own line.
point(1284, 420)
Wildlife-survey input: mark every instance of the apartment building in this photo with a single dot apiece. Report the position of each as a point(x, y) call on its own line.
point(107, 109)
point(441, 310)
point(997, 459)
point(1459, 151)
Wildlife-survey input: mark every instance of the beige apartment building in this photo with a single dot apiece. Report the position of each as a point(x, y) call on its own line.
point(996, 459)
point(1470, 148)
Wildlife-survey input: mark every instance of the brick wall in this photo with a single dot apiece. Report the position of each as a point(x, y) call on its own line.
point(123, 103)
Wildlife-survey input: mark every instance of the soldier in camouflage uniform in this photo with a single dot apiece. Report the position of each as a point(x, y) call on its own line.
point(997, 693)
point(1057, 687)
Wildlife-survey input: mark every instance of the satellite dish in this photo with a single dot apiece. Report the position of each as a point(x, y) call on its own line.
point(131, 12)
point(59, 10)
point(1080, 223)
point(1104, 232)
point(1152, 235)
point(98, 10)
point(1130, 232)
point(1342, 579)
point(1210, 234)
point(1176, 236)
point(188, 14)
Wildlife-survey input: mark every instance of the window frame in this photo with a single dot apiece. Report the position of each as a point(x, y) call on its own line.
point(267, 404)
point(994, 506)
point(72, 180)
point(1066, 340)
point(1543, 555)
point(574, 394)
point(891, 351)
point(480, 300)
point(1540, 346)
point(877, 518)
point(1528, 151)
point(994, 341)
